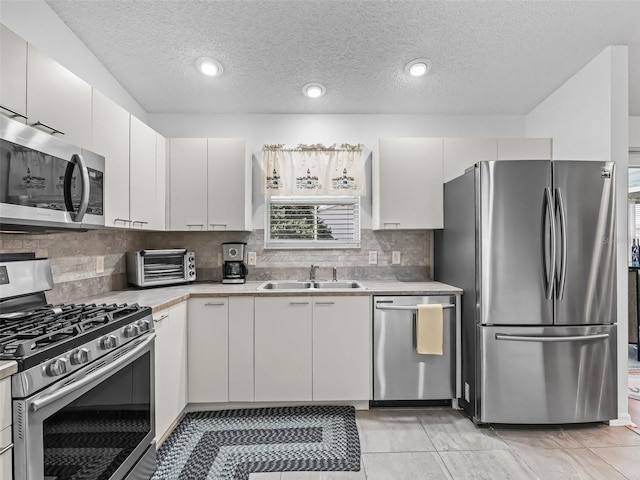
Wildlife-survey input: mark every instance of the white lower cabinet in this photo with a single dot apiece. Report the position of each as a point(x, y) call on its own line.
point(208, 350)
point(5, 429)
point(341, 348)
point(170, 366)
point(283, 370)
point(241, 356)
point(6, 467)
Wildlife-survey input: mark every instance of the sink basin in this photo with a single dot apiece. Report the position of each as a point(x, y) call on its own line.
point(285, 285)
point(324, 285)
point(340, 284)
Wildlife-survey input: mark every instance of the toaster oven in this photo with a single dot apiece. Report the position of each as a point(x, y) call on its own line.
point(150, 268)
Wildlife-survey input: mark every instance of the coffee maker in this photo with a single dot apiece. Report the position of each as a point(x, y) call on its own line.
point(235, 266)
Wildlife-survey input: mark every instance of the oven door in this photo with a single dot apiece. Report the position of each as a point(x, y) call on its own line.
point(97, 423)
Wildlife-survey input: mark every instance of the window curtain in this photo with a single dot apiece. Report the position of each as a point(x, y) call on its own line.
point(313, 170)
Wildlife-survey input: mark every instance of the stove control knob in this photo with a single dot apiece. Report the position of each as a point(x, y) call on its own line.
point(57, 367)
point(143, 325)
point(79, 356)
point(131, 331)
point(108, 342)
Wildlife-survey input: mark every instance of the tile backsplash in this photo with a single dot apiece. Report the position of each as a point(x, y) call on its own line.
point(74, 256)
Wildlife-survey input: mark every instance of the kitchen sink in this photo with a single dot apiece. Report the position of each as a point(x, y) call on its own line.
point(340, 284)
point(307, 285)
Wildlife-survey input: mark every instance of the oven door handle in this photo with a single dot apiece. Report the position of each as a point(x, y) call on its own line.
point(43, 402)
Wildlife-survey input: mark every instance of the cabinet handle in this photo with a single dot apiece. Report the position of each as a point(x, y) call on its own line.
point(13, 113)
point(123, 220)
point(214, 225)
point(6, 449)
point(53, 130)
point(298, 303)
point(138, 221)
point(201, 225)
point(211, 304)
point(162, 317)
point(325, 303)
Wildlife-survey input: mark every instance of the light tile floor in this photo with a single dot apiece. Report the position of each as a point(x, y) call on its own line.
point(440, 443)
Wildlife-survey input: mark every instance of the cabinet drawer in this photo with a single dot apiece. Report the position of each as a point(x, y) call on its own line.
point(6, 457)
point(5, 403)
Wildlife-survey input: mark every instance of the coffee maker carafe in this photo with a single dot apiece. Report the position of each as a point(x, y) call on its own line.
point(234, 267)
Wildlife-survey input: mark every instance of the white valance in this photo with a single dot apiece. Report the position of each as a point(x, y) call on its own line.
point(313, 170)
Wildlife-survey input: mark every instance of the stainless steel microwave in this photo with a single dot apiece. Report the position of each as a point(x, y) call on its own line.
point(47, 184)
point(151, 268)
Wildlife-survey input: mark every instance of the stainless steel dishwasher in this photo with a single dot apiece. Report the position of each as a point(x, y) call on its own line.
point(399, 372)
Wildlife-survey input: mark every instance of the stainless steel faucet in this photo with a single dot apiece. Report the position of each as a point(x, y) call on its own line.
point(312, 272)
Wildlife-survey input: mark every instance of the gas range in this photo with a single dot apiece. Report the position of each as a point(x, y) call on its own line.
point(49, 342)
point(83, 397)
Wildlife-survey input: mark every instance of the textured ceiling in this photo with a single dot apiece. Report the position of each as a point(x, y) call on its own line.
point(489, 57)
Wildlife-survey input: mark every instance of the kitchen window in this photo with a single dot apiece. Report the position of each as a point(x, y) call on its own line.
point(312, 222)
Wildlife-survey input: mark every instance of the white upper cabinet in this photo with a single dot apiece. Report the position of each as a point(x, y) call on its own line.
point(13, 75)
point(461, 153)
point(210, 184)
point(159, 223)
point(524, 149)
point(229, 184)
point(407, 188)
point(188, 192)
point(58, 102)
point(142, 172)
point(111, 139)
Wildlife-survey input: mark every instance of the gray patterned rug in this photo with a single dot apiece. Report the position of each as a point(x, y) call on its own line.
point(231, 444)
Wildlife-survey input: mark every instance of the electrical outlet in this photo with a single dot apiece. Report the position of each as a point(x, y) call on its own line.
point(373, 257)
point(99, 264)
point(219, 259)
point(251, 258)
point(395, 258)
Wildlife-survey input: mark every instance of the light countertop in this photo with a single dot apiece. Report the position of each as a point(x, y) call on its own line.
point(7, 368)
point(163, 297)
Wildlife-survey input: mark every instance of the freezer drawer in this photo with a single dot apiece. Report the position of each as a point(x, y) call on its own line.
point(399, 372)
point(547, 374)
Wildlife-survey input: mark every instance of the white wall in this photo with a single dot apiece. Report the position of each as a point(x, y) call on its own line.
point(634, 133)
point(34, 21)
point(588, 118)
point(328, 129)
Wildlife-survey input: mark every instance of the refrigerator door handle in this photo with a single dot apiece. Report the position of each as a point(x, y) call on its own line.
point(534, 338)
point(563, 243)
point(548, 209)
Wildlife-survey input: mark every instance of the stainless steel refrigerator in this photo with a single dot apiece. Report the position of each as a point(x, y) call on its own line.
point(532, 244)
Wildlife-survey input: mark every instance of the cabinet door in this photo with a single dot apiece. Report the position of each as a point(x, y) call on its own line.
point(188, 173)
point(524, 149)
point(13, 74)
point(229, 184)
point(241, 349)
point(341, 348)
point(208, 350)
point(461, 153)
point(158, 221)
point(142, 174)
point(111, 139)
point(6, 469)
point(283, 349)
point(170, 366)
point(58, 99)
point(5, 403)
point(407, 184)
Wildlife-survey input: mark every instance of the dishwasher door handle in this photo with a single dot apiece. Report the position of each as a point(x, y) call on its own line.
point(408, 307)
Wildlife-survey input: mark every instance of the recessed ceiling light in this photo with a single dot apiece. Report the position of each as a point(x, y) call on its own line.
point(314, 90)
point(418, 67)
point(209, 66)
